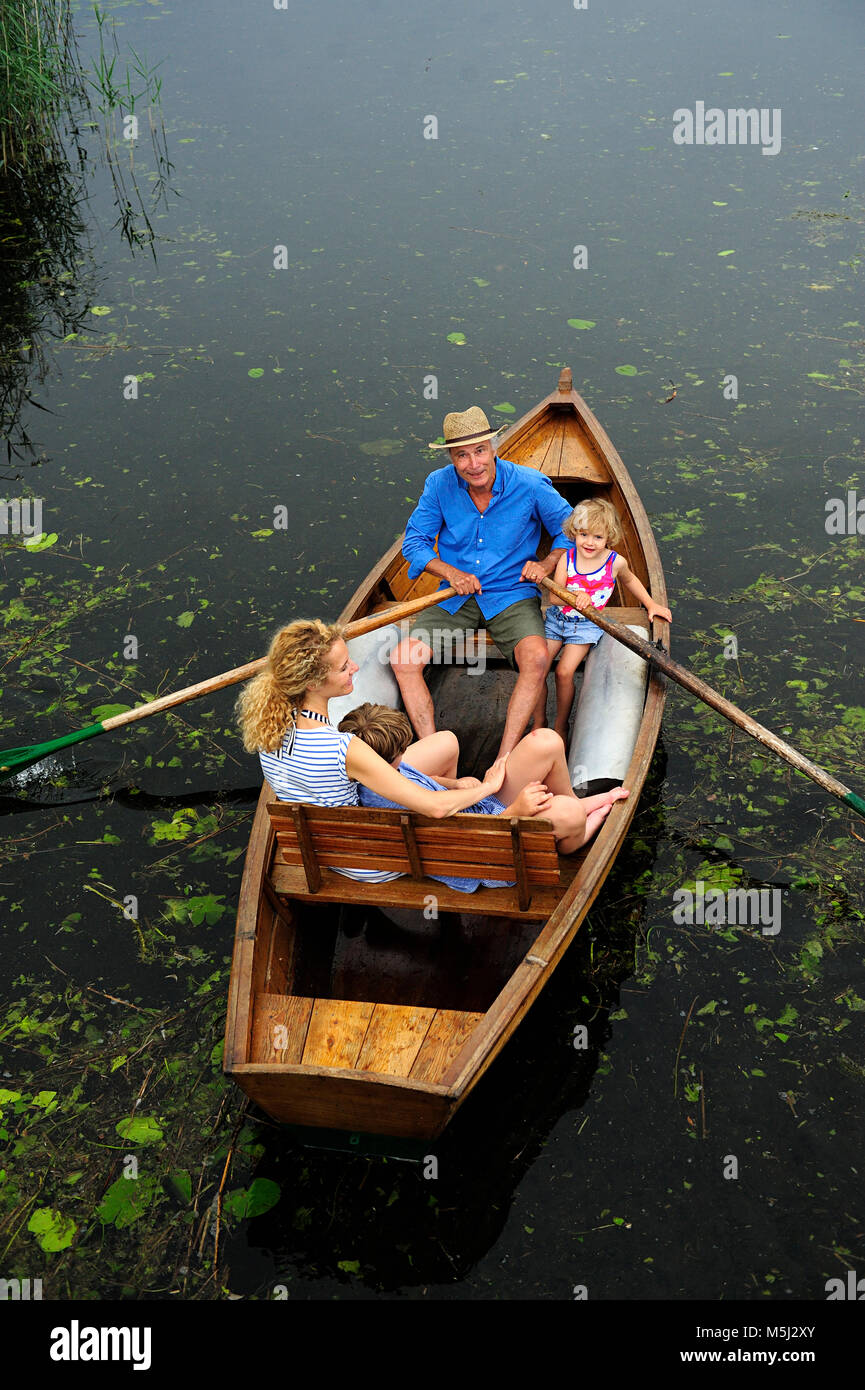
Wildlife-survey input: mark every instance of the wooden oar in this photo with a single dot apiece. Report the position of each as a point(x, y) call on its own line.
point(704, 692)
point(15, 759)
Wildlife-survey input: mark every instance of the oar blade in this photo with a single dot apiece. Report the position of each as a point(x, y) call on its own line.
point(14, 760)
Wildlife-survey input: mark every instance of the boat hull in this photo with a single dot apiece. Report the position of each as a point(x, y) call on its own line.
point(356, 1056)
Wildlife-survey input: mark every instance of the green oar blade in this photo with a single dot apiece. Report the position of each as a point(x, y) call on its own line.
point(15, 759)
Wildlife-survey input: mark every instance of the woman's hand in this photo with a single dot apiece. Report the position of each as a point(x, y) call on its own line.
point(494, 777)
point(461, 782)
point(533, 800)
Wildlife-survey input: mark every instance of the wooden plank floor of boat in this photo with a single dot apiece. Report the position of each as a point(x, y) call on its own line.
point(357, 1035)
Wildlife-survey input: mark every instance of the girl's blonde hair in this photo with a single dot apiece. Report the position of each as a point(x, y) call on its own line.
point(297, 659)
point(595, 514)
point(387, 731)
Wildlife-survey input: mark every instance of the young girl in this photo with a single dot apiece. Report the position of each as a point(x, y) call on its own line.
point(590, 568)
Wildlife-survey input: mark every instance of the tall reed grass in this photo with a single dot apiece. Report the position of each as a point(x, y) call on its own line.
point(37, 72)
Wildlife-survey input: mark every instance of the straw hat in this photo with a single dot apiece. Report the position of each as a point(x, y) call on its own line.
point(465, 427)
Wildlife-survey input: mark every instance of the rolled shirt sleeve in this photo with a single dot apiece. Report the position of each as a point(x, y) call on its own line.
point(423, 526)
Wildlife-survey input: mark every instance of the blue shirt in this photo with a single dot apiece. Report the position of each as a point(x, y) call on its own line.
point(494, 544)
point(487, 806)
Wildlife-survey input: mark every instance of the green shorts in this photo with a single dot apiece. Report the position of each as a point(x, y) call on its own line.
point(519, 620)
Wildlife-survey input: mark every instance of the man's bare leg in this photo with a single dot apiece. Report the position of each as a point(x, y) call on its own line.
point(530, 656)
point(408, 661)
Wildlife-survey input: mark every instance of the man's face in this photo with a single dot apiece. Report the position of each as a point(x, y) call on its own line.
point(476, 463)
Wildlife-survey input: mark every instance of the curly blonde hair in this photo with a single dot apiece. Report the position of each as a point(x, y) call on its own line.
point(594, 514)
point(297, 659)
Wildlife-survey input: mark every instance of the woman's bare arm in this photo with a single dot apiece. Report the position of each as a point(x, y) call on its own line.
point(364, 765)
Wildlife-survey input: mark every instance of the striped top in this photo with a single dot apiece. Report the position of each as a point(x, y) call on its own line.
point(315, 771)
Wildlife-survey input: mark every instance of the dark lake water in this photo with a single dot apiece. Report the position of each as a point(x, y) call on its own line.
point(453, 257)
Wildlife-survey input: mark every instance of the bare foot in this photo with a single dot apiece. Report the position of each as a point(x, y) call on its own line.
point(593, 803)
point(594, 820)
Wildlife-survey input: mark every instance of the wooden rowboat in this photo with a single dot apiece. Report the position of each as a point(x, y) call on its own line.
point(358, 1007)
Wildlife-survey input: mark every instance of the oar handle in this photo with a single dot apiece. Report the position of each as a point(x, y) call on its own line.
point(252, 668)
point(682, 676)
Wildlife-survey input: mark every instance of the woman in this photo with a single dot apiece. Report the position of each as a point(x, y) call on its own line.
point(283, 717)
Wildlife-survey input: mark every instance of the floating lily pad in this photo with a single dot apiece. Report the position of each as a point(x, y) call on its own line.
point(383, 448)
point(139, 1129)
point(581, 323)
point(481, 283)
point(627, 370)
point(185, 619)
point(259, 1197)
point(506, 408)
point(126, 1200)
point(458, 338)
point(103, 712)
point(53, 1230)
point(41, 542)
point(100, 310)
point(726, 253)
point(255, 371)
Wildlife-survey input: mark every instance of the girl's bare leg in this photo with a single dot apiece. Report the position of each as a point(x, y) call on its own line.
point(539, 719)
point(436, 755)
point(569, 661)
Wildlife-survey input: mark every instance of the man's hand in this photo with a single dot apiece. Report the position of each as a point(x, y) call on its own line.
point(461, 581)
point(534, 571)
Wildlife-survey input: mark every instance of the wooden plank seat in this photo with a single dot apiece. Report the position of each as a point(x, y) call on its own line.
point(354, 1035)
point(313, 841)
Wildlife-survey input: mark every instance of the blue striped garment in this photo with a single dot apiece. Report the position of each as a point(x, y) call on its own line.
point(315, 771)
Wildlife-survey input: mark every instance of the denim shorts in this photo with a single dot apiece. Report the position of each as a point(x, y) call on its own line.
point(571, 629)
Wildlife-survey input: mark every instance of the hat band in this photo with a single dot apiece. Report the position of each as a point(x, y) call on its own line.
point(465, 438)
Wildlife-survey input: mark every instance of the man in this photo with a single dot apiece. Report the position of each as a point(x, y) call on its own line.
point(487, 513)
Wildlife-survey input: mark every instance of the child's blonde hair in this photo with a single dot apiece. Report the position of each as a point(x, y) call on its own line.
point(387, 731)
point(297, 659)
point(595, 514)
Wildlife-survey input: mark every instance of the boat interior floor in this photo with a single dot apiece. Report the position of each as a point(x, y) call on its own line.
point(473, 705)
